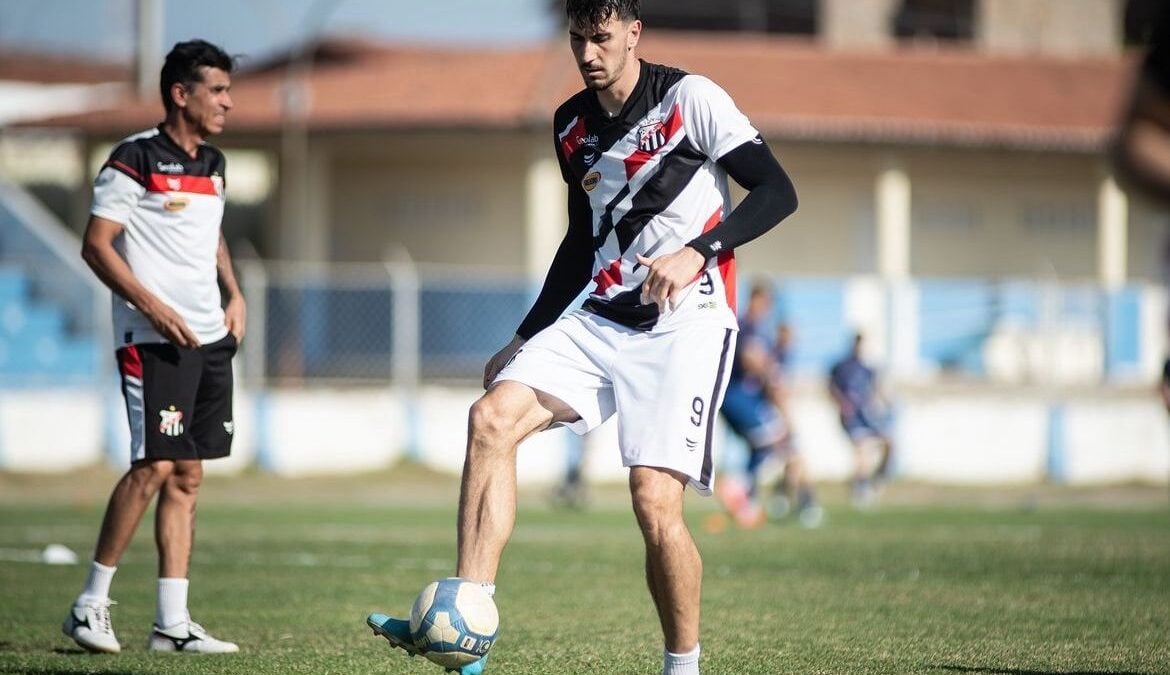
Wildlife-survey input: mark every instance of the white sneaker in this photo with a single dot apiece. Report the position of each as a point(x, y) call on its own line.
point(89, 625)
point(189, 637)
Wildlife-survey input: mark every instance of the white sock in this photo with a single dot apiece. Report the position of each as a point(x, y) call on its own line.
point(172, 602)
point(97, 585)
point(489, 588)
point(681, 664)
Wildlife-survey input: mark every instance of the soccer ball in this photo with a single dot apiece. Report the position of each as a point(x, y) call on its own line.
point(453, 622)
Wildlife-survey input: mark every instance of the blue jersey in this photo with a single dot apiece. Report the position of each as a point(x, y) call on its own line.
point(854, 380)
point(750, 335)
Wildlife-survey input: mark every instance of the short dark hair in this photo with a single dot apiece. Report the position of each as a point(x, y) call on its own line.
point(183, 64)
point(593, 13)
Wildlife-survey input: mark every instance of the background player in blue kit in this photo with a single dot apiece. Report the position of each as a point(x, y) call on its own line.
point(645, 151)
point(853, 385)
point(154, 238)
point(756, 409)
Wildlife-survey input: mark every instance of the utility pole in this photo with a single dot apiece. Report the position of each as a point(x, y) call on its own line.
point(148, 50)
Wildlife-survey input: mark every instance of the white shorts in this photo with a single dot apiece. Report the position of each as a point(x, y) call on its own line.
point(666, 387)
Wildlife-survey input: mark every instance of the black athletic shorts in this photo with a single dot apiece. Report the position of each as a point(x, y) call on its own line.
point(178, 401)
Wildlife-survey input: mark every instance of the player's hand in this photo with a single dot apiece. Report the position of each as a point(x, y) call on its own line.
point(500, 359)
point(234, 316)
point(669, 275)
point(171, 326)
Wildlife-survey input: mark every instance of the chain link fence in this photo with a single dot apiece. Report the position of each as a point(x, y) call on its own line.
point(397, 322)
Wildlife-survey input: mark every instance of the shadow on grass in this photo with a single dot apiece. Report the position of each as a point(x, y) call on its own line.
point(1022, 671)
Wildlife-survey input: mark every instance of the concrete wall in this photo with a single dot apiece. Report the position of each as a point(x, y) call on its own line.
point(447, 198)
point(948, 438)
point(974, 213)
point(1058, 27)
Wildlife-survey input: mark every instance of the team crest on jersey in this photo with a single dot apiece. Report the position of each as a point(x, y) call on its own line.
point(591, 180)
point(172, 422)
point(651, 136)
point(176, 204)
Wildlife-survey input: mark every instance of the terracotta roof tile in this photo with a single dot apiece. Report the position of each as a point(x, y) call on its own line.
point(788, 88)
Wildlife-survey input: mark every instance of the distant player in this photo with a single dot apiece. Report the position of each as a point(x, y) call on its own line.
point(646, 151)
point(1141, 152)
point(571, 492)
point(756, 408)
point(154, 238)
point(1164, 388)
point(853, 386)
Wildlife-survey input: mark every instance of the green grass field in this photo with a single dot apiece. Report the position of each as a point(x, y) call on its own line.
point(982, 582)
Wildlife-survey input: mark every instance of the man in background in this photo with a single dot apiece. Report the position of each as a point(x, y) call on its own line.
point(756, 408)
point(853, 386)
point(154, 237)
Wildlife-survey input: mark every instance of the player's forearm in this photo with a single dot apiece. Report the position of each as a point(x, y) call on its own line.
point(227, 274)
point(113, 271)
point(771, 198)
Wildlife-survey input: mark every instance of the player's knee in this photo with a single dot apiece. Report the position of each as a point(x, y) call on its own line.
point(147, 477)
point(657, 508)
point(491, 422)
point(187, 477)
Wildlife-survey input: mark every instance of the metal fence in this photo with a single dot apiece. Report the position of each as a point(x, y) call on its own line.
point(394, 322)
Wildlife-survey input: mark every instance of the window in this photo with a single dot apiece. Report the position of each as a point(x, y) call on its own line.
point(935, 19)
point(792, 17)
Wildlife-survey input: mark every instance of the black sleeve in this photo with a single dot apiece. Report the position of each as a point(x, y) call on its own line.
point(771, 198)
point(571, 268)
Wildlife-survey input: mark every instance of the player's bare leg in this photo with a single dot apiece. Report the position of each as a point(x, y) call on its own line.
point(174, 519)
point(88, 621)
point(503, 417)
point(129, 500)
point(674, 570)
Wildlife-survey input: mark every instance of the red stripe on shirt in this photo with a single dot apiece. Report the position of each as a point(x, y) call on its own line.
point(608, 277)
point(574, 139)
point(200, 185)
point(725, 261)
point(125, 168)
point(669, 128)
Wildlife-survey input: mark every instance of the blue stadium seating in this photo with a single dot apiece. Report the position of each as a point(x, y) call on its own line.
point(36, 347)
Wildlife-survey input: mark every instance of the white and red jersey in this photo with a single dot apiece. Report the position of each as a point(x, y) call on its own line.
point(171, 207)
point(653, 184)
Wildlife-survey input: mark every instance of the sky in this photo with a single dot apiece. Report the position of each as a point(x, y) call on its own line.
point(256, 28)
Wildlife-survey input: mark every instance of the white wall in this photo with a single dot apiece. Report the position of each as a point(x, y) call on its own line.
point(983, 437)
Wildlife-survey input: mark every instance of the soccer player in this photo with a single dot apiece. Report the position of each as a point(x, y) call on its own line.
point(853, 386)
point(646, 151)
point(1141, 153)
point(756, 409)
point(154, 238)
